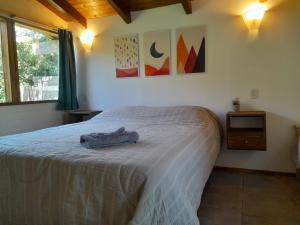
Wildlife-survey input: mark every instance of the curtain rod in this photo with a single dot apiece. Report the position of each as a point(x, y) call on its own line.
point(29, 22)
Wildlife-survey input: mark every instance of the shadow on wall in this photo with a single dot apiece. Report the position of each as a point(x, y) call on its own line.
point(81, 73)
point(281, 137)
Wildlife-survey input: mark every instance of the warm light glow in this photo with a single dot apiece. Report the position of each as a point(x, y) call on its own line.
point(87, 38)
point(253, 16)
point(255, 12)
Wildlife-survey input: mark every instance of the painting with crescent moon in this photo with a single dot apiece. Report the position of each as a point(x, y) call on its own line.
point(127, 55)
point(191, 49)
point(157, 53)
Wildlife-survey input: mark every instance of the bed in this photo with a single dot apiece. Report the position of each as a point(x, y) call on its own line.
point(48, 178)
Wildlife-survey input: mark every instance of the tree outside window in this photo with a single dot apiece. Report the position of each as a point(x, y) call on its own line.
point(37, 64)
point(2, 85)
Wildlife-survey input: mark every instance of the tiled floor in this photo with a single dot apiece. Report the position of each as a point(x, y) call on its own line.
point(250, 199)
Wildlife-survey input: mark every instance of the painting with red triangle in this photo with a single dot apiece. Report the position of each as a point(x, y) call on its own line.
point(191, 49)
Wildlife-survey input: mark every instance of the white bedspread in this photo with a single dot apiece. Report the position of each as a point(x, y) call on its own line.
point(48, 178)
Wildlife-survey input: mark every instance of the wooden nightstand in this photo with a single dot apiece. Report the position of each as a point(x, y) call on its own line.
point(246, 130)
point(82, 115)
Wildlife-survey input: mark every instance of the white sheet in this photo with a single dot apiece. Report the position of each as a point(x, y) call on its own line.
point(47, 178)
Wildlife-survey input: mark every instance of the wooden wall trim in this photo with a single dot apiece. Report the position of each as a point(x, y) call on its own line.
point(13, 62)
point(5, 58)
point(28, 103)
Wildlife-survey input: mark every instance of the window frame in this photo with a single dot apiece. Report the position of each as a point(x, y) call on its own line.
point(12, 84)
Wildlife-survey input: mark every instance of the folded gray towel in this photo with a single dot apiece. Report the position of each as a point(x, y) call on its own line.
point(101, 140)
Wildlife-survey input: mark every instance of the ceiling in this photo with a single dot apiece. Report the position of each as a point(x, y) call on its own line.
point(80, 10)
point(99, 8)
point(93, 8)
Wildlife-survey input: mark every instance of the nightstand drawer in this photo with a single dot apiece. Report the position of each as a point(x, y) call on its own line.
point(246, 130)
point(256, 142)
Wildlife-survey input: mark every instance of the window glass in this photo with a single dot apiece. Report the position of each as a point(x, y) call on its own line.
point(2, 80)
point(37, 53)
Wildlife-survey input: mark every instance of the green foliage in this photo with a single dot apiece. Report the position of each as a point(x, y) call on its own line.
point(2, 87)
point(33, 64)
point(42, 62)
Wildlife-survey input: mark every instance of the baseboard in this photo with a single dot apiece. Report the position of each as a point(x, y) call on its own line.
point(266, 172)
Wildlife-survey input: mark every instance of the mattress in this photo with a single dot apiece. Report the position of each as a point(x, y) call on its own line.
point(48, 178)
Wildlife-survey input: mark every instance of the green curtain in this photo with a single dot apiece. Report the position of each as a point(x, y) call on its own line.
point(67, 96)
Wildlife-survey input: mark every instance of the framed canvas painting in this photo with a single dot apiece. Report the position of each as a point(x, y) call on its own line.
point(191, 49)
point(157, 53)
point(127, 55)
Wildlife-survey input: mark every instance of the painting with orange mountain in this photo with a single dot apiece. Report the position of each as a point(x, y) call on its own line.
point(191, 50)
point(127, 56)
point(157, 53)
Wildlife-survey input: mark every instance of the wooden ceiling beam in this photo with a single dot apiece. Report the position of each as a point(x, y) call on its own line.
point(64, 10)
point(121, 9)
point(187, 5)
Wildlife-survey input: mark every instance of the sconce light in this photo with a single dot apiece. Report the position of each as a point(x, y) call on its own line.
point(253, 17)
point(87, 38)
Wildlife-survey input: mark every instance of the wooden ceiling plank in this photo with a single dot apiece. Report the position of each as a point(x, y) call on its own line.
point(64, 10)
point(187, 5)
point(121, 9)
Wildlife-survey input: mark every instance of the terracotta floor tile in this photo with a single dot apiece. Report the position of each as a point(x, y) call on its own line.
point(250, 199)
point(277, 206)
point(222, 197)
point(264, 182)
point(225, 179)
point(216, 216)
point(255, 220)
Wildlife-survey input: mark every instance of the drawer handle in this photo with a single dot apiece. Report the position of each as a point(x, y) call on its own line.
point(246, 141)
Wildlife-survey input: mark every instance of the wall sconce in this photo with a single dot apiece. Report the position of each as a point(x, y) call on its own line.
point(253, 17)
point(87, 38)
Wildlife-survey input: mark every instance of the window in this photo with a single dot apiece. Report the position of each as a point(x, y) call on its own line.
point(2, 84)
point(37, 64)
point(28, 63)
point(3, 63)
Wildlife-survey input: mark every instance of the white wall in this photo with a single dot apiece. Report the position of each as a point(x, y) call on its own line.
point(235, 66)
point(24, 118)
